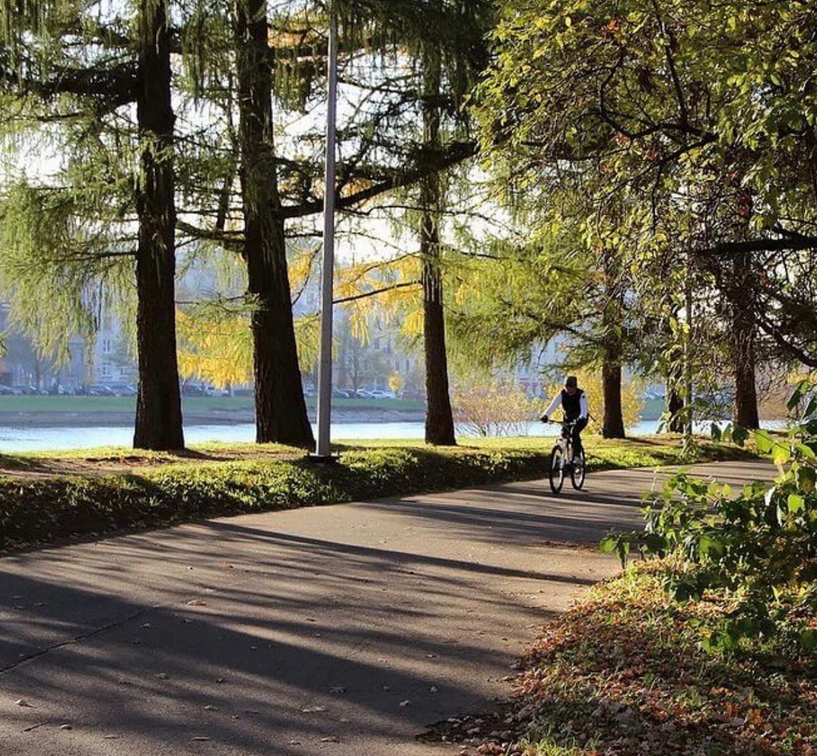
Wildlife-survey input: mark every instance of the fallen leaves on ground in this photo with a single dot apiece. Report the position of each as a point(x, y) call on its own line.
point(624, 674)
point(625, 671)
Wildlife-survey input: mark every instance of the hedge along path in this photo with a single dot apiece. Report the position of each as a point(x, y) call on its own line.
point(41, 510)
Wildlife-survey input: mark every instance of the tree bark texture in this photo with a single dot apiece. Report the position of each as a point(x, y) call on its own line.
point(280, 408)
point(613, 423)
point(439, 428)
point(158, 406)
point(674, 400)
point(743, 344)
point(675, 403)
point(689, 386)
point(612, 326)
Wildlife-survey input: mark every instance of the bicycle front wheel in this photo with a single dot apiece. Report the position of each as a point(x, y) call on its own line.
point(578, 472)
point(557, 469)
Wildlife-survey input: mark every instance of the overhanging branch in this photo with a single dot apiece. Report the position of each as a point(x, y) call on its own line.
point(447, 158)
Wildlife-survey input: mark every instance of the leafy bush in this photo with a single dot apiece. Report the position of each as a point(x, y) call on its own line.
point(759, 548)
point(494, 408)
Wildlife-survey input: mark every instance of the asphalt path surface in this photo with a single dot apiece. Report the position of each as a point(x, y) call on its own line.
point(344, 629)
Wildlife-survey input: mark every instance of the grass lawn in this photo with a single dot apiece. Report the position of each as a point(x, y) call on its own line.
point(48, 497)
point(602, 454)
point(624, 674)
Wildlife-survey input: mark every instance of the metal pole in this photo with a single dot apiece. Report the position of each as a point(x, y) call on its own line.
point(325, 362)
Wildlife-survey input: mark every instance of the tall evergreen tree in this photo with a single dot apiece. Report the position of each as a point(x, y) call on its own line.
point(158, 405)
point(71, 67)
point(381, 152)
point(279, 401)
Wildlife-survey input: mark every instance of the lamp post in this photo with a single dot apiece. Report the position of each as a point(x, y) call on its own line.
point(322, 450)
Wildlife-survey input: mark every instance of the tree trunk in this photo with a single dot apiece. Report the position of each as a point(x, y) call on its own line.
point(674, 405)
point(158, 405)
point(689, 388)
point(613, 424)
point(280, 408)
point(743, 344)
point(674, 402)
point(439, 416)
point(612, 322)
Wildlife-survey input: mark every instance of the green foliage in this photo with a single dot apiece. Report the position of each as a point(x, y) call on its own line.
point(759, 547)
point(58, 267)
point(682, 126)
point(39, 511)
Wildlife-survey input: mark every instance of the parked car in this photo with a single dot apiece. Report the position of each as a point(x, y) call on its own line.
point(191, 389)
point(122, 389)
point(413, 395)
point(380, 394)
point(342, 393)
point(7, 390)
point(100, 389)
point(28, 390)
point(210, 390)
point(363, 394)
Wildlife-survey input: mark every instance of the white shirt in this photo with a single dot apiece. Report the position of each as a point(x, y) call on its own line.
point(557, 402)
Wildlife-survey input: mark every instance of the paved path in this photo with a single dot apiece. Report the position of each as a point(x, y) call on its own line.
point(269, 634)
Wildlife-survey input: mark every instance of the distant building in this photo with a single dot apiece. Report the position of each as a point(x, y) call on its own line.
point(22, 365)
point(109, 360)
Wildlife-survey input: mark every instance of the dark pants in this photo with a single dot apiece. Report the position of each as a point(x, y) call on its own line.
point(577, 437)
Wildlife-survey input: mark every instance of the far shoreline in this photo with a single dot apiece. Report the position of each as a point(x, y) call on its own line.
point(22, 420)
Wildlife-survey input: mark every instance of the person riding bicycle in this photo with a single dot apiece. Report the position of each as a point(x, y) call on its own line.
point(573, 402)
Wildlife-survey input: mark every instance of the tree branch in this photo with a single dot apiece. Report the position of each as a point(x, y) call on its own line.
point(456, 153)
point(375, 292)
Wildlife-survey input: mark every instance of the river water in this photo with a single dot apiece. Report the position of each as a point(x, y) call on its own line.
point(62, 438)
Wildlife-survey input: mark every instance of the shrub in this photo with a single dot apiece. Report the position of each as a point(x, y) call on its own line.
point(494, 408)
point(44, 510)
point(41, 510)
point(759, 547)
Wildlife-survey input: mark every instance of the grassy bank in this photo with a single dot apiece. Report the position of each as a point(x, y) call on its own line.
point(624, 673)
point(44, 498)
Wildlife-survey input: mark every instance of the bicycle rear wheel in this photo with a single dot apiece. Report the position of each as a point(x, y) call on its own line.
point(556, 471)
point(578, 472)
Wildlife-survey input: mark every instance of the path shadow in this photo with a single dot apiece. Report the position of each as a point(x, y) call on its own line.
point(281, 619)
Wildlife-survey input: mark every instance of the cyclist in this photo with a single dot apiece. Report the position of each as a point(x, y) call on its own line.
point(573, 402)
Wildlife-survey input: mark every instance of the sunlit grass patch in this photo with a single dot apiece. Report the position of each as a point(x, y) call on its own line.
point(46, 497)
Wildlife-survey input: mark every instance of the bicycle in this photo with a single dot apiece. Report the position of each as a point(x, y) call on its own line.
point(561, 461)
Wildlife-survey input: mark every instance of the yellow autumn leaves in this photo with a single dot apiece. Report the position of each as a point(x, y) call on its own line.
point(215, 343)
